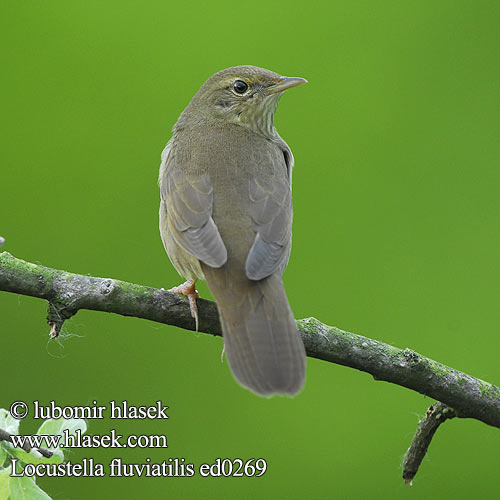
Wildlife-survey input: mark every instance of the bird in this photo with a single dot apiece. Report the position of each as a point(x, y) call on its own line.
point(226, 217)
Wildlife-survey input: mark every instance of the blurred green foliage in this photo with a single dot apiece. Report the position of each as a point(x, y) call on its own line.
point(397, 211)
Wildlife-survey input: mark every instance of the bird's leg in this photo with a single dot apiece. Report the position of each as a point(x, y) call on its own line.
point(188, 289)
point(222, 353)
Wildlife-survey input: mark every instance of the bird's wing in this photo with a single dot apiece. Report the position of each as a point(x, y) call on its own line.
point(189, 204)
point(271, 211)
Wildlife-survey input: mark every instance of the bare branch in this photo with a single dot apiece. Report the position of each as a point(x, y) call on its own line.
point(67, 293)
point(7, 436)
point(435, 416)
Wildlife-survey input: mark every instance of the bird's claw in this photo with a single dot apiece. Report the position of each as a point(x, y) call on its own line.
point(188, 290)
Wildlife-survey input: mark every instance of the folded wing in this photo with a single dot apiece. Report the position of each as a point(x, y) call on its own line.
point(271, 211)
point(189, 204)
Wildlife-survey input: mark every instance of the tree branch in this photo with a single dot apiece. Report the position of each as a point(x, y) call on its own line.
point(435, 416)
point(7, 436)
point(67, 293)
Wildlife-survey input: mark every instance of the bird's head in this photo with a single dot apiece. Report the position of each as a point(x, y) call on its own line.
point(244, 95)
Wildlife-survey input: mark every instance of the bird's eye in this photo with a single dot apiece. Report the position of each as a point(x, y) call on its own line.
point(240, 86)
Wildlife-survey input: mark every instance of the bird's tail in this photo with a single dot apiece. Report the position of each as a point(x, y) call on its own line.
point(261, 340)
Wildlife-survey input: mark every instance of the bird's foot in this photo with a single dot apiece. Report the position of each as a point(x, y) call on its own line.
point(187, 289)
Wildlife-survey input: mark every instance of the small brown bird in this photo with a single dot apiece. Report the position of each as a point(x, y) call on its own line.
point(226, 217)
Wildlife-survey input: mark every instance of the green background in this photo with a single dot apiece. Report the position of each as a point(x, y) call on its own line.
point(395, 233)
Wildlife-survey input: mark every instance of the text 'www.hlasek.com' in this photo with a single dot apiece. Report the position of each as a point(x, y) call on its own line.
point(72, 437)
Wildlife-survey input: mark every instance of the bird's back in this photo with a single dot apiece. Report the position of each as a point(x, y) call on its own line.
point(233, 159)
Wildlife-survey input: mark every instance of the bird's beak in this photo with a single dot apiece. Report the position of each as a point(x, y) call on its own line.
point(286, 82)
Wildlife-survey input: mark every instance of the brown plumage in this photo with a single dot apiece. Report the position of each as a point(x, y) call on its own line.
point(226, 216)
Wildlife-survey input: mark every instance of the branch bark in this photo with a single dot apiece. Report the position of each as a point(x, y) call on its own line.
point(427, 427)
point(7, 436)
point(67, 293)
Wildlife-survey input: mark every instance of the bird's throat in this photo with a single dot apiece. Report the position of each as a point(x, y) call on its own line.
point(260, 117)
